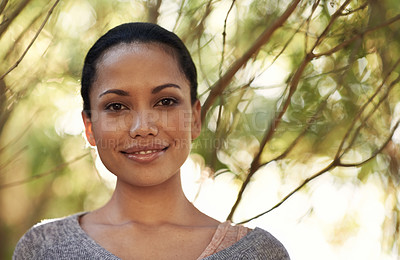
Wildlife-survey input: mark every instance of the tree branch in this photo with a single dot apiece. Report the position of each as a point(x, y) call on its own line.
point(237, 114)
point(292, 88)
point(335, 162)
point(12, 158)
point(3, 5)
point(21, 35)
point(306, 181)
point(35, 177)
point(314, 7)
point(179, 15)
point(4, 109)
point(375, 153)
point(9, 19)
point(153, 12)
point(362, 109)
point(361, 7)
point(198, 31)
point(224, 81)
point(358, 129)
point(303, 132)
point(17, 138)
point(357, 36)
point(346, 67)
point(224, 38)
point(216, 147)
point(202, 67)
point(197, 27)
point(335, 16)
point(255, 165)
point(33, 40)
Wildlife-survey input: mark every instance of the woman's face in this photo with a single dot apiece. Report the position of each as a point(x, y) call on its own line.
point(142, 118)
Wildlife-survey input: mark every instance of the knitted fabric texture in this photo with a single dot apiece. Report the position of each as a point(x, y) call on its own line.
point(65, 239)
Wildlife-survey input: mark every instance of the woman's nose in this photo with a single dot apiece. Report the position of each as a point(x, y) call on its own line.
point(144, 123)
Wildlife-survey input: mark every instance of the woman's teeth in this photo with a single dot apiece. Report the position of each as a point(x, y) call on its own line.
point(145, 152)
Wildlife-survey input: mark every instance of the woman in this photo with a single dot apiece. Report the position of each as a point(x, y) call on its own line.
point(141, 111)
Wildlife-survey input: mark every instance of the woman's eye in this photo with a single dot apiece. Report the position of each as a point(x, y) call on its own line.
point(166, 102)
point(115, 107)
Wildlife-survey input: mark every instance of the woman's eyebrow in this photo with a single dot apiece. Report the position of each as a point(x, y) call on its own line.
point(115, 91)
point(161, 87)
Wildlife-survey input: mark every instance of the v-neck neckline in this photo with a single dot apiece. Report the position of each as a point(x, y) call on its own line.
point(217, 237)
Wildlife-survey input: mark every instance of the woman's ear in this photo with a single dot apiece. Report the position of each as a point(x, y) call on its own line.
point(196, 119)
point(88, 128)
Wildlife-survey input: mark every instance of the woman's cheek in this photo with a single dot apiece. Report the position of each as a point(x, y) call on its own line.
point(182, 120)
point(114, 123)
point(106, 131)
point(166, 121)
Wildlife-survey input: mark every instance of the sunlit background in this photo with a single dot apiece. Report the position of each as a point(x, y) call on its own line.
point(347, 101)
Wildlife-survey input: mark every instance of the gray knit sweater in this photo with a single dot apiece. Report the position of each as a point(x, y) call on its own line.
point(65, 239)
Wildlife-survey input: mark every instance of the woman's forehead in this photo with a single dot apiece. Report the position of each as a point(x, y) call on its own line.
point(138, 65)
point(116, 52)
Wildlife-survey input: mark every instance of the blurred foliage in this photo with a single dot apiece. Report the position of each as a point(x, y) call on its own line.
point(324, 84)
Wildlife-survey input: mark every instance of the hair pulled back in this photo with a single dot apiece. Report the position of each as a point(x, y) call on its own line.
point(137, 33)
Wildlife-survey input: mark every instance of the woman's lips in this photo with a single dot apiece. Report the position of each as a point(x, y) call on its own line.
point(145, 155)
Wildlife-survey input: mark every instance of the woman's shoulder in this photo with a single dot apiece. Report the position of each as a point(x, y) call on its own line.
point(257, 244)
point(266, 243)
point(45, 235)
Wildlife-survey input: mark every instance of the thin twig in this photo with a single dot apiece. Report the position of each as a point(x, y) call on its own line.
point(294, 34)
point(285, 45)
point(303, 132)
point(217, 134)
point(361, 7)
point(35, 177)
point(291, 90)
point(237, 114)
point(308, 123)
point(334, 17)
point(199, 30)
point(224, 38)
point(33, 40)
point(346, 67)
point(179, 15)
point(306, 181)
point(12, 158)
point(314, 7)
point(21, 134)
point(378, 151)
point(22, 34)
point(10, 18)
point(199, 49)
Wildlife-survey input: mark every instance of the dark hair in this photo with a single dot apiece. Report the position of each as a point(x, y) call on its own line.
point(137, 33)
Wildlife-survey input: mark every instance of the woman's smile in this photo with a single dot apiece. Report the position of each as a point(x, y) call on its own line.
point(145, 154)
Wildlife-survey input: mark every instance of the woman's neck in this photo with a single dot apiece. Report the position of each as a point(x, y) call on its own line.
point(156, 205)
